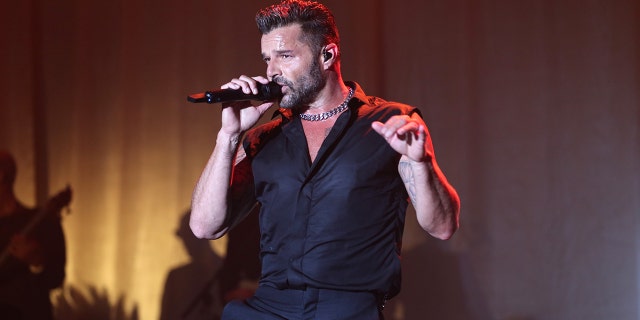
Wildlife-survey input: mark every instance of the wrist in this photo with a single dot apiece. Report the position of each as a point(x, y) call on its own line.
point(426, 160)
point(422, 168)
point(227, 145)
point(228, 138)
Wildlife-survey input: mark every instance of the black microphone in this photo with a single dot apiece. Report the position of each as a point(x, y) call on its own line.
point(266, 92)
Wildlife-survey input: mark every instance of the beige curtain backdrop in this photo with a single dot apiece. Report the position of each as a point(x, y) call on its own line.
point(534, 109)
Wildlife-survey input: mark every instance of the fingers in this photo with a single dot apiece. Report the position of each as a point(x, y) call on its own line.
point(245, 83)
point(399, 125)
point(406, 135)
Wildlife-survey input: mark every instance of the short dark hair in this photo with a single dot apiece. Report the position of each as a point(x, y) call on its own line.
point(316, 21)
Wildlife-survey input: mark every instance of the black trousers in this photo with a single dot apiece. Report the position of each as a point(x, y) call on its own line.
point(309, 304)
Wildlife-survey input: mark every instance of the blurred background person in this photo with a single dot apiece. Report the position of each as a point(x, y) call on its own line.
point(33, 258)
point(191, 290)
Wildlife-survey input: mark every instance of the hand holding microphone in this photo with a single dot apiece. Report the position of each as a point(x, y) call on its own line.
point(238, 114)
point(266, 92)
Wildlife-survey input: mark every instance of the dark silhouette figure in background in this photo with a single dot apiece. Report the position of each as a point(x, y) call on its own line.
point(190, 290)
point(439, 292)
point(33, 258)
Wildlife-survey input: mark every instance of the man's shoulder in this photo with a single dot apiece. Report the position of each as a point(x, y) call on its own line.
point(256, 136)
point(277, 119)
point(375, 104)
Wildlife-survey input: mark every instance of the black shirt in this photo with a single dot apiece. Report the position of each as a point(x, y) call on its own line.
point(335, 223)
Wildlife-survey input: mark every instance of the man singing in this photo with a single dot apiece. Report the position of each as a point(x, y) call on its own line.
point(332, 174)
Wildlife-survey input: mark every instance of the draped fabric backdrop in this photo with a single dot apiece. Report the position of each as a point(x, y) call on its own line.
point(534, 109)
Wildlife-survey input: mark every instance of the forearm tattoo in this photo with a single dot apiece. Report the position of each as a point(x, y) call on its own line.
point(240, 155)
point(406, 173)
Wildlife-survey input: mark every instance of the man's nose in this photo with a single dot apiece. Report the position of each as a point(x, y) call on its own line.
point(272, 70)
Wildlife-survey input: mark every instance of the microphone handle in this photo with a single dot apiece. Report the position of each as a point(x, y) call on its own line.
point(269, 91)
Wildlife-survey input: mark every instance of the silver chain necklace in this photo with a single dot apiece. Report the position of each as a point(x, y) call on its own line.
point(326, 115)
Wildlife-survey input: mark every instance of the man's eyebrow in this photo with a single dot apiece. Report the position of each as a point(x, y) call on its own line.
point(277, 52)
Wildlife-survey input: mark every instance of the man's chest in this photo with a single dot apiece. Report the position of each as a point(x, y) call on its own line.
point(315, 134)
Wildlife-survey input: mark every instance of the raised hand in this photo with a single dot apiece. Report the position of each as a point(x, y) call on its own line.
point(408, 135)
point(240, 116)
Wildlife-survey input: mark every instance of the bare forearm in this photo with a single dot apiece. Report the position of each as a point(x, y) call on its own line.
point(436, 202)
point(209, 204)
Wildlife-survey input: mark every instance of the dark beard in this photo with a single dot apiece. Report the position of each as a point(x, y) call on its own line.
point(308, 87)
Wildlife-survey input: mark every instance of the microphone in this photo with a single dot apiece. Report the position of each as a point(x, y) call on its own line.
point(269, 91)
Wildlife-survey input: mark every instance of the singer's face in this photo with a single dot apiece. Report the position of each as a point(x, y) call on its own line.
point(292, 64)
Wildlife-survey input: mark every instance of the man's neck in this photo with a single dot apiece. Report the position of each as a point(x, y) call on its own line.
point(331, 96)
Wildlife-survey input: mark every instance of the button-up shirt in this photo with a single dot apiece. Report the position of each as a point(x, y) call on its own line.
point(336, 222)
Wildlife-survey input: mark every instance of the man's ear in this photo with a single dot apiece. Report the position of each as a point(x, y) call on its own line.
point(329, 55)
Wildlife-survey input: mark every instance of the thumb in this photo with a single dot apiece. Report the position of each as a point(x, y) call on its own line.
point(264, 107)
point(377, 126)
